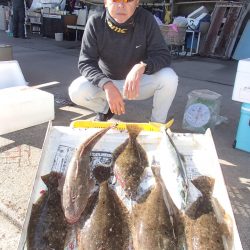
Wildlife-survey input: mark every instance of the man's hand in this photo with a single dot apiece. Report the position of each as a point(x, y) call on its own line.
point(132, 82)
point(114, 99)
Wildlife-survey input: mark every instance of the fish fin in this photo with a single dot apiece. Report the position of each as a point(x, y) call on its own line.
point(225, 222)
point(119, 149)
point(227, 234)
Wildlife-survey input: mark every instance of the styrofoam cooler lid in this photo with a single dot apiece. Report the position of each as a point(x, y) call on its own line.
point(244, 65)
point(11, 74)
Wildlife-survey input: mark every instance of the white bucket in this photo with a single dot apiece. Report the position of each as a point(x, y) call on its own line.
point(59, 37)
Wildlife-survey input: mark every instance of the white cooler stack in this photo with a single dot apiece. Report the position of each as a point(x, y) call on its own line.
point(241, 93)
point(21, 106)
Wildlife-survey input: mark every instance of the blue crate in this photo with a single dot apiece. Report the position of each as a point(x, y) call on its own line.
point(243, 133)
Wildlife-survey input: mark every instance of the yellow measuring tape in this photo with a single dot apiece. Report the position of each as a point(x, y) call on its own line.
point(152, 126)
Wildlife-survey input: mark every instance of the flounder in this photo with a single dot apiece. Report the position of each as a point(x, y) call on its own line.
point(152, 226)
point(130, 162)
point(201, 228)
point(107, 227)
point(47, 228)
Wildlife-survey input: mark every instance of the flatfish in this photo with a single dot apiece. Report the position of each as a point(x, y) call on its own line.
point(107, 228)
point(152, 226)
point(201, 228)
point(130, 162)
point(78, 185)
point(47, 227)
point(203, 233)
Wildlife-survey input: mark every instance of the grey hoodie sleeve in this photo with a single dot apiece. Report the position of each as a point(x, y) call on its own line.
point(89, 56)
point(158, 55)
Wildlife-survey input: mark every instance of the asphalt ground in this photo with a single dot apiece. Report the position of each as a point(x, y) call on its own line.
point(44, 60)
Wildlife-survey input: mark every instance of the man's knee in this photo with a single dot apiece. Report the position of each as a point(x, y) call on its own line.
point(75, 90)
point(81, 91)
point(168, 78)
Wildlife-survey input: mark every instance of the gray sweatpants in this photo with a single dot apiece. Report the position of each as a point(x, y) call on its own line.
point(162, 85)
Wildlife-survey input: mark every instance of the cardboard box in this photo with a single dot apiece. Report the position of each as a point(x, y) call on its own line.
point(241, 91)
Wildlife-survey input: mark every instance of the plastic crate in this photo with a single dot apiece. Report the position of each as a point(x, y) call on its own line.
point(173, 37)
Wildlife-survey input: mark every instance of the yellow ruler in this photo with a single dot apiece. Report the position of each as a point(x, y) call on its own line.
point(152, 126)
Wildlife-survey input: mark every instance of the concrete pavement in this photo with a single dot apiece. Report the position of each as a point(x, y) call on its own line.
point(44, 60)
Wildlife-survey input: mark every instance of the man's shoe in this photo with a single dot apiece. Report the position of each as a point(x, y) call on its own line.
point(104, 117)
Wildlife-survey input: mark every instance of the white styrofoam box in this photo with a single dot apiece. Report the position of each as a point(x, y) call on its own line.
point(198, 151)
point(11, 74)
point(196, 13)
point(241, 91)
point(23, 107)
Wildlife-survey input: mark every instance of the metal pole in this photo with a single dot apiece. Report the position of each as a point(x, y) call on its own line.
point(25, 16)
point(171, 3)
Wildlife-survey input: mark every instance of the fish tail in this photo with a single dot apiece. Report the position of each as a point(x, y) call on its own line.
point(51, 179)
point(45, 179)
point(92, 140)
point(133, 130)
point(205, 184)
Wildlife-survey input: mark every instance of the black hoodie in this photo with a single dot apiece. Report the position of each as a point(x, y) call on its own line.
point(109, 50)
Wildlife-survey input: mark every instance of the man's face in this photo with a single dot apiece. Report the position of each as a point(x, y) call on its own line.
point(121, 11)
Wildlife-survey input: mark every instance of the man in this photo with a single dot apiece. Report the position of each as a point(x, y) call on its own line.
point(18, 18)
point(123, 56)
